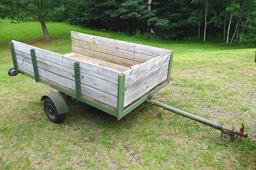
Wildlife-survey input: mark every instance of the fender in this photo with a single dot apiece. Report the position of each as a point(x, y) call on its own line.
point(58, 100)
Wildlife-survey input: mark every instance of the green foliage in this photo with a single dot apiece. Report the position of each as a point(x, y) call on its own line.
point(27, 10)
point(133, 14)
point(4, 8)
point(172, 18)
point(233, 8)
point(169, 19)
point(36, 10)
point(249, 35)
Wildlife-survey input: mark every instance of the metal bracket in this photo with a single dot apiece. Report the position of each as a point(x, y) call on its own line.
point(170, 67)
point(34, 63)
point(77, 80)
point(120, 97)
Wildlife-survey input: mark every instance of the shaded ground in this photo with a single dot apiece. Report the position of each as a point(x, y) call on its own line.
point(211, 80)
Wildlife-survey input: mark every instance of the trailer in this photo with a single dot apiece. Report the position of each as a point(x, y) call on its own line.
point(111, 75)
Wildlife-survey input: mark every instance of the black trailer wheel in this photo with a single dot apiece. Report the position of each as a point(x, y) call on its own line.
point(12, 72)
point(51, 111)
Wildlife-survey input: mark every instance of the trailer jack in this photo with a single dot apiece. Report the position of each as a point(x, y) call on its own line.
point(231, 132)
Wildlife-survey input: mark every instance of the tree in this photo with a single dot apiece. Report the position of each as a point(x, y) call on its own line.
point(135, 14)
point(35, 10)
point(151, 30)
point(204, 8)
point(4, 8)
point(170, 19)
point(233, 10)
point(248, 24)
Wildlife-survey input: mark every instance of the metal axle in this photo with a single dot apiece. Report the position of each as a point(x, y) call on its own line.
point(232, 132)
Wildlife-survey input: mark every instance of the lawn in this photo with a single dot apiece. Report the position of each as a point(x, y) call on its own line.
point(211, 80)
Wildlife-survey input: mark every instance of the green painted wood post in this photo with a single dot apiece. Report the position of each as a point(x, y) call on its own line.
point(120, 95)
point(14, 57)
point(77, 80)
point(170, 67)
point(34, 63)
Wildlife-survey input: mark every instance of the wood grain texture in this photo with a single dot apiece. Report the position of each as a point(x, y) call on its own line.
point(117, 44)
point(68, 83)
point(145, 77)
point(103, 56)
point(144, 89)
point(128, 56)
point(95, 70)
point(139, 70)
point(86, 79)
point(63, 75)
point(97, 61)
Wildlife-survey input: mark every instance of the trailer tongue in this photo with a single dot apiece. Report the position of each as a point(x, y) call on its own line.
point(232, 132)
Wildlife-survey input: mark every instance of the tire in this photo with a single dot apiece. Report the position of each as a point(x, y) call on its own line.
point(12, 72)
point(51, 111)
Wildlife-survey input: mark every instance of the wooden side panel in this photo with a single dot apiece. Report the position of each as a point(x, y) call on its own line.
point(138, 71)
point(143, 78)
point(134, 48)
point(97, 61)
point(86, 67)
point(108, 49)
point(95, 53)
point(56, 68)
point(126, 51)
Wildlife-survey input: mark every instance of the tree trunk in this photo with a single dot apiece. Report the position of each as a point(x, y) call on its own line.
point(224, 28)
point(229, 25)
point(149, 5)
point(44, 29)
point(151, 30)
point(237, 23)
point(242, 33)
point(238, 30)
point(199, 25)
point(205, 23)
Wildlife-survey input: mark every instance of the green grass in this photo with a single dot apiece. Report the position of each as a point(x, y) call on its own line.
point(212, 80)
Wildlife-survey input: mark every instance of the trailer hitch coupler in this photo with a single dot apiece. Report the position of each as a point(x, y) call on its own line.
point(234, 133)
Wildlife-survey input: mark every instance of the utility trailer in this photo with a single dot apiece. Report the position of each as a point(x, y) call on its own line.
point(111, 75)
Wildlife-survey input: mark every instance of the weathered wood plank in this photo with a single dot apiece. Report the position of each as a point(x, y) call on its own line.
point(142, 78)
point(86, 79)
point(148, 85)
point(68, 83)
point(138, 83)
point(105, 73)
point(127, 46)
point(104, 56)
point(97, 61)
point(138, 71)
point(117, 52)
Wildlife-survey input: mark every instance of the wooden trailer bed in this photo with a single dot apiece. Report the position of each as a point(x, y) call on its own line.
point(112, 75)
